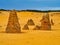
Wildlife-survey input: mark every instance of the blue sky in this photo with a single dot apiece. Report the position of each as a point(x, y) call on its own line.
point(30, 4)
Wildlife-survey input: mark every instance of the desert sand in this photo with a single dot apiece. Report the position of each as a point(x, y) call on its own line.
point(30, 37)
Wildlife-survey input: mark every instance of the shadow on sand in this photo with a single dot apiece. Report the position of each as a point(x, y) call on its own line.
point(13, 33)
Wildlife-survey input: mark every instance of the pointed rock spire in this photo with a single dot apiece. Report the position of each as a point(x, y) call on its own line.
point(13, 25)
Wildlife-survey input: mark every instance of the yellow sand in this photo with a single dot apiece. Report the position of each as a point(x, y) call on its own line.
point(30, 37)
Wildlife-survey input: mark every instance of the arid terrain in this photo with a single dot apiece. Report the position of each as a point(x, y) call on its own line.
point(30, 37)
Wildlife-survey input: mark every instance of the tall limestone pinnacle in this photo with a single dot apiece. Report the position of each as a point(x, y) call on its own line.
point(45, 22)
point(13, 25)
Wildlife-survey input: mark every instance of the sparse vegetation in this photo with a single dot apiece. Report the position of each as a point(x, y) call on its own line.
point(4, 10)
point(33, 10)
point(42, 11)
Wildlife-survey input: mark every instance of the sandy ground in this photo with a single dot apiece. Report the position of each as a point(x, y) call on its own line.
point(30, 37)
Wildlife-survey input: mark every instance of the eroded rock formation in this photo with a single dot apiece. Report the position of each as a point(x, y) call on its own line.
point(45, 22)
point(13, 25)
point(25, 27)
point(30, 22)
